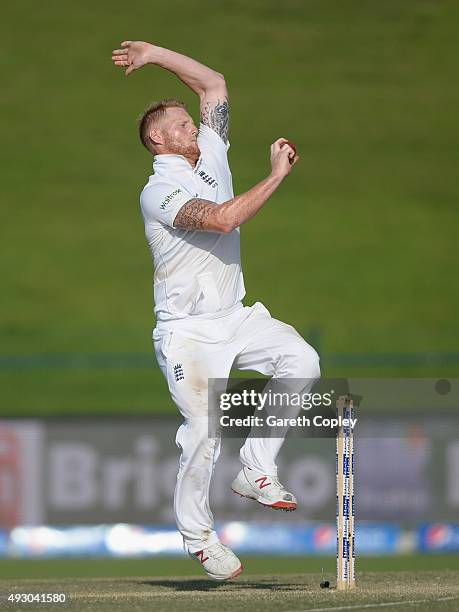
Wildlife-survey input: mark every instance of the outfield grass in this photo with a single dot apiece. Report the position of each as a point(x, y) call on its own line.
point(182, 566)
point(359, 243)
point(137, 391)
point(285, 584)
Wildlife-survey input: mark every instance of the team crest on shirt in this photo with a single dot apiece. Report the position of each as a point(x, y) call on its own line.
point(208, 179)
point(178, 372)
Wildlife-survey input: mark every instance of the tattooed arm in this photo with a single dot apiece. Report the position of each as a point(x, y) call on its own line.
point(215, 110)
point(208, 84)
point(199, 214)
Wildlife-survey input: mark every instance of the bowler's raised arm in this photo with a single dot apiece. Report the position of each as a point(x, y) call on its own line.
point(208, 84)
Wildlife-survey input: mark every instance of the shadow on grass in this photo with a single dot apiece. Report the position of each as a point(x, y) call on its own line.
point(206, 585)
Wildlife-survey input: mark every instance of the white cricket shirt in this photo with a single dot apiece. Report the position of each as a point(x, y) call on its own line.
point(195, 272)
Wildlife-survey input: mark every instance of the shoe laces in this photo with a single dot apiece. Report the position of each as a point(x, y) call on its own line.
point(217, 551)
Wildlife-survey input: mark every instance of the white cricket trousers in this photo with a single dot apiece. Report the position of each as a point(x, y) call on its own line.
point(189, 352)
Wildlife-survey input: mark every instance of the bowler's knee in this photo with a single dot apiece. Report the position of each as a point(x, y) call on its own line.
point(304, 362)
point(197, 445)
point(194, 434)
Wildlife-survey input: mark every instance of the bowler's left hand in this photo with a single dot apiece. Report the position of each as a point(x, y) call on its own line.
point(133, 55)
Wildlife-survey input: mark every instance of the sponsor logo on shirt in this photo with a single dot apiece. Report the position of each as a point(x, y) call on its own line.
point(169, 198)
point(208, 179)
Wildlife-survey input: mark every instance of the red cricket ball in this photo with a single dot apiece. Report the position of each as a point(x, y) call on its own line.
point(293, 146)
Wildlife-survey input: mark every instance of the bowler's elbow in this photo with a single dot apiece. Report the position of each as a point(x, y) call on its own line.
point(222, 227)
point(228, 228)
point(220, 78)
point(215, 86)
point(220, 223)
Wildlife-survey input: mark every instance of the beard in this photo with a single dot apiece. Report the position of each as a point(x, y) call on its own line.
point(187, 149)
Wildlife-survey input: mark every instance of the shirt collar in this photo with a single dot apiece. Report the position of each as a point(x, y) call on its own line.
point(168, 161)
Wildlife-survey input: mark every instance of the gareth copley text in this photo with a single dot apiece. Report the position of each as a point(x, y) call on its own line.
point(274, 421)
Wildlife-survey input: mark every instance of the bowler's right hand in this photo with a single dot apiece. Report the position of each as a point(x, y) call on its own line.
point(283, 158)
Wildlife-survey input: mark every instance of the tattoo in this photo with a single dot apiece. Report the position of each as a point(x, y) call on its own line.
point(216, 116)
point(193, 215)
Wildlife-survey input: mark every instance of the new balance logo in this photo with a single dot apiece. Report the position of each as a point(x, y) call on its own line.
point(200, 556)
point(262, 482)
point(178, 372)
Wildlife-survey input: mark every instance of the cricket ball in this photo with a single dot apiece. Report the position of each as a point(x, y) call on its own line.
point(293, 146)
point(324, 584)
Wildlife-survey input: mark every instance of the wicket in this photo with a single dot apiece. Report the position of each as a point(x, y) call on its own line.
point(345, 505)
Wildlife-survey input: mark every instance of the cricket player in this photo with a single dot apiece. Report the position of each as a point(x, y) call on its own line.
point(192, 225)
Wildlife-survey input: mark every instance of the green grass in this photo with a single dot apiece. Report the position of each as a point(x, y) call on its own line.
point(180, 566)
point(405, 583)
point(360, 242)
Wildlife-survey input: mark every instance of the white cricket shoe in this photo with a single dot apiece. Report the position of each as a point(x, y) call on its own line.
point(266, 490)
point(219, 562)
